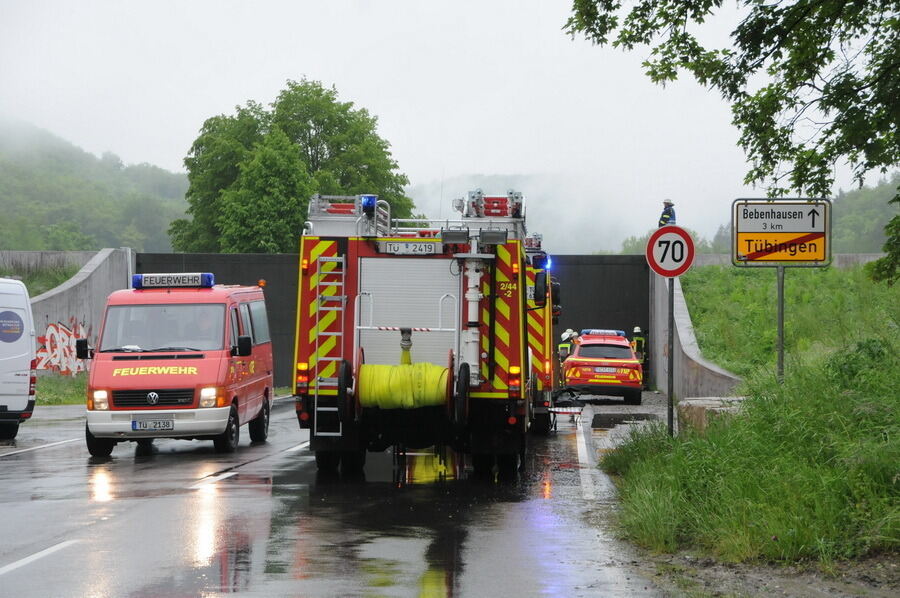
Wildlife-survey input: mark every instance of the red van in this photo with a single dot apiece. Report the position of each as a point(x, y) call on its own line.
point(179, 357)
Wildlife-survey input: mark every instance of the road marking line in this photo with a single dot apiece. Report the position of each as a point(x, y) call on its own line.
point(298, 447)
point(36, 556)
point(212, 480)
point(209, 480)
point(34, 448)
point(587, 480)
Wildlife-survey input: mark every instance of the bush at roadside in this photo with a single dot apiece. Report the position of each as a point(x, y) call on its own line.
point(808, 471)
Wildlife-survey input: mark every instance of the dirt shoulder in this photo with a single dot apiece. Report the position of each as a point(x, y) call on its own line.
point(683, 575)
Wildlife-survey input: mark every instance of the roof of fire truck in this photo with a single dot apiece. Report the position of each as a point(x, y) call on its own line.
point(368, 216)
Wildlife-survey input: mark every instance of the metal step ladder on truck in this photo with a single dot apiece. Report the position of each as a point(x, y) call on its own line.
point(412, 333)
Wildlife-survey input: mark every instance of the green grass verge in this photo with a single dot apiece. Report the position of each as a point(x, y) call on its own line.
point(54, 389)
point(810, 470)
point(734, 312)
point(41, 280)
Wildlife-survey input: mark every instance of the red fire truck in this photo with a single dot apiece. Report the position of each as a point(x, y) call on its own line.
point(542, 314)
point(412, 333)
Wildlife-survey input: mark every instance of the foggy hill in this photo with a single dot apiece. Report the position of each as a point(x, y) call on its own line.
point(54, 195)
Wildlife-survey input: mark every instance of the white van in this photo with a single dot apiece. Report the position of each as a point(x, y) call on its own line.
point(17, 363)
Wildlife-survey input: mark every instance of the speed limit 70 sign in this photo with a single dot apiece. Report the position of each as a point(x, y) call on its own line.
point(670, 251)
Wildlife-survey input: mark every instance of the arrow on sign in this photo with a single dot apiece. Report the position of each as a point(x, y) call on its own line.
point(813, 213)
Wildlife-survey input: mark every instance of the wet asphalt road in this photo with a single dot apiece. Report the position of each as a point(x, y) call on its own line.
point(186, 521)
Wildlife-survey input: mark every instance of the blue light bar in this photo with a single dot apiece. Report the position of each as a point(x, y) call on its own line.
point(203, 280)
point(603, 331)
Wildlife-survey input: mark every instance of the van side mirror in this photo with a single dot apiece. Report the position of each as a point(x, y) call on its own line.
point(244, 346)
point(540, 289)
point(81, 349)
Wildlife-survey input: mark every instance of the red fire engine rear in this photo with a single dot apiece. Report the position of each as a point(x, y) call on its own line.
point(411, 333)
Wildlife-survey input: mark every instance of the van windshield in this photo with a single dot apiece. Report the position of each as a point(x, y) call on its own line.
point(170, 327)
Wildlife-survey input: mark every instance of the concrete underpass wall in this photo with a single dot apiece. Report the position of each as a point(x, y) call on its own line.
point(694, 376)
point(74, 309)
point(24, 261)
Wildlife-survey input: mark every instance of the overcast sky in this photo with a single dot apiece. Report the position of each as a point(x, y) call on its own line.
point(460, 88)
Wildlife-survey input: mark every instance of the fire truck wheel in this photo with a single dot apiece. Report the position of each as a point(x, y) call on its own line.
point(507, 465)
point(633, 397)
point(482, 463)
point(227, 441)
point(8, 430)
point(346, 401)
point(259, 426)
point(352, 461)
point(327, 461)
point(540, 424)
point(98, 447)
point(462, 393)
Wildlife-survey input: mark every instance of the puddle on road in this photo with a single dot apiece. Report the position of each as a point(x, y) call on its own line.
point(607, 421)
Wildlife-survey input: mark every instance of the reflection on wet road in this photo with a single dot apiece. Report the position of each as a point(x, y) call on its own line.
point(185, 521)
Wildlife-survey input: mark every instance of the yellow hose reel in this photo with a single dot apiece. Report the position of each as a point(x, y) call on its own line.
point(405, 386)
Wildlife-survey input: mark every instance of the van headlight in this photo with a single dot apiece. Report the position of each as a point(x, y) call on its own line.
point(208, 396)
point(101, 400)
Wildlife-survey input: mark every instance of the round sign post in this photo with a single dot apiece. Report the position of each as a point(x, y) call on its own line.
point(670, 253)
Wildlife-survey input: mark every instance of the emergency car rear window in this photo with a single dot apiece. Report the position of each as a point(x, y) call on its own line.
point(169, 327)
point(604, 351)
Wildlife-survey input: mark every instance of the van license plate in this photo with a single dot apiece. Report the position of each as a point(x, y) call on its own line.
point(152, 425)
point(605, 370)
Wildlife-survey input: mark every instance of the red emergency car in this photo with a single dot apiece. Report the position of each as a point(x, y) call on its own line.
point(179, 357)
point(603, 363)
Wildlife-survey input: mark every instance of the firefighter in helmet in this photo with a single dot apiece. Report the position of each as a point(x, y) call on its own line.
point(567, 339)
point(668, 213)
point(637, 343)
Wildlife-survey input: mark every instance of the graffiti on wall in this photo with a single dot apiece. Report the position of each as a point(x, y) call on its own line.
point(56, 349)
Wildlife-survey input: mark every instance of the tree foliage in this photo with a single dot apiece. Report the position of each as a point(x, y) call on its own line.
point(55, 196)
point(638, 244)
point(812, 83)
point(251, 174)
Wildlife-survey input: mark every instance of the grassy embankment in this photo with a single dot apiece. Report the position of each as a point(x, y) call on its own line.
point(39, 281)
point(811, 470)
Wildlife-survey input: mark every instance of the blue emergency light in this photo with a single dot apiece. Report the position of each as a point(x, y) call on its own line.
point(603, 332)
point(203, 280)
point(368, 204)
point(549, 263)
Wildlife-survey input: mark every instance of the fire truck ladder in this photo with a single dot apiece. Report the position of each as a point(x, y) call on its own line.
point(327, 303)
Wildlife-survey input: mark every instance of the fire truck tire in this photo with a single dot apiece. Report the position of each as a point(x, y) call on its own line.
point(227, 441)
point(507, 465)
point(259, 426)
point(482, 463)
point(462, 394)
point(352, 461)
point(633, 397)
point(346, 401)
point(540, 424)
point(98, 447)
point(327, 461)
point(8, 430)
